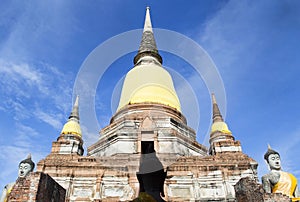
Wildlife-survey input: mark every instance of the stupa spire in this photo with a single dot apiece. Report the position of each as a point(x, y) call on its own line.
point(217, 116)
point(75, 111)
point(70, 139)
point(219, 124)
point(221, 138)
point(72, 126)
point(148, 45)
point(147, 24)
point(148, 82)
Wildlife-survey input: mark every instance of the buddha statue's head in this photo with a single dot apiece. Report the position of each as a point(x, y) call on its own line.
point(273, 159)
point(25, 167)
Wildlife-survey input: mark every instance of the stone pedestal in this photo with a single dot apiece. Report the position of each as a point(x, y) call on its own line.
point(249, 190)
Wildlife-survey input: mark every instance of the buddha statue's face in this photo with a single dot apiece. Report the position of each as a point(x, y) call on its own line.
point(274, 162)
point(24, 169)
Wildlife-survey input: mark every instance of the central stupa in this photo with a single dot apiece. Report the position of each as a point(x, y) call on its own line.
point(148, 81)
point(148, 118)
point(149, 110)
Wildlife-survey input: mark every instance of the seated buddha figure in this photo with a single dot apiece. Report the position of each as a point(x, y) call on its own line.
point(278, 181)
point(25, 167)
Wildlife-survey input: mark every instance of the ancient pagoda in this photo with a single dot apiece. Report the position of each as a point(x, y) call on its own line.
point(148, 116)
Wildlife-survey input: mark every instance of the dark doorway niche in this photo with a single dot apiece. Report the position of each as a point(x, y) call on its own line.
point(151, 175)
point(147, 147)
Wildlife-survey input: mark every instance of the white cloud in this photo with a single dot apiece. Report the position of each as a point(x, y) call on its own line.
point(26, 87)
point(48, 118)
point(18, 79)
point(18, 72)
point(288, 148)
point(30, 93)
point(223, 32)
point(23, 143)
point(23, 129)
point(89, 137)
point(21, 78)
point(10, 157)
point(28, 27)
point(252, 43)
point(24, 136)
point(17, 108)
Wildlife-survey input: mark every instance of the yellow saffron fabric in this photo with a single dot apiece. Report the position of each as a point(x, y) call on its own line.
point(286, 185)
point(7, 193)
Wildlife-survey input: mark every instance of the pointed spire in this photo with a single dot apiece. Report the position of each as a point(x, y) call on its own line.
point(147, 24)
point(75, 112)
point(217, 117)
point(71, 132)
point(72, 126)
point(148, 44)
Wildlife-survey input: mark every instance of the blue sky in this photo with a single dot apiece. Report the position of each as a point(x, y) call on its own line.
point(254, 45)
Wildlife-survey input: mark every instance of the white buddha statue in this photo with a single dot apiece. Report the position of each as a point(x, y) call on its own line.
point(278, 181)
point(25, 167)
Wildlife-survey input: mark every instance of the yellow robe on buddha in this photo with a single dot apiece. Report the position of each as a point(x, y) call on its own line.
point(7, 194)
point(286, 185)
point(9, 188)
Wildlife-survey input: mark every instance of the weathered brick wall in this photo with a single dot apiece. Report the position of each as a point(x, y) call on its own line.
point(37, 187)
point(24, 189)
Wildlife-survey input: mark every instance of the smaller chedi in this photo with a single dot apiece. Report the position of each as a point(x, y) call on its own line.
point(278, 181)
point(25, 167)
